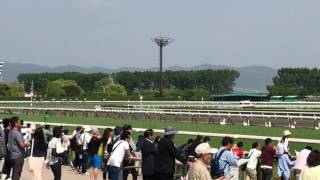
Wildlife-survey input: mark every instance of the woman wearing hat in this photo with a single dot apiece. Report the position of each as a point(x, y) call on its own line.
point(283, 144)
point(199, 169)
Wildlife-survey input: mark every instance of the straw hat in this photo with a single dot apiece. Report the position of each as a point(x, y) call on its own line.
point(204, 148)
point(287, 133)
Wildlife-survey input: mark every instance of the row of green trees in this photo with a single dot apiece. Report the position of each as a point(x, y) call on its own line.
point(11, 90)
point(177, 84)
point(213, 81)
point(296, 81)
point(71, 84)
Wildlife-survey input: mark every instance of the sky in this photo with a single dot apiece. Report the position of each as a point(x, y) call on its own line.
point(117, 33)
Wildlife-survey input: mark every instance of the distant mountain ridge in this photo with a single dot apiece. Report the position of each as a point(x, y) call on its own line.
point(252, 78)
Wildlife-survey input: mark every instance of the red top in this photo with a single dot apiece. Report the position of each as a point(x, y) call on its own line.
point(239, 152)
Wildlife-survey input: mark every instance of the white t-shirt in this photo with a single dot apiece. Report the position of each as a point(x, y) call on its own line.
point(253, 160)
point(119, 150)
point(84, 140)
point(282, 147)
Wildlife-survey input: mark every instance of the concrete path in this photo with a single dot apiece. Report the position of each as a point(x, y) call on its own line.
point(67, 174)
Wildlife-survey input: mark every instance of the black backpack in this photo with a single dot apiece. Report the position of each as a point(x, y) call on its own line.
point(110, 145)
point(73, 144)
point(216, 171)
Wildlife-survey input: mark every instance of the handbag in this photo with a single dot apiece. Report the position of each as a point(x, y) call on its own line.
point(31, 158)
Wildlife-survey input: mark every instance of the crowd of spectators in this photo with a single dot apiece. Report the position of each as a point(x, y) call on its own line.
point(114, 155)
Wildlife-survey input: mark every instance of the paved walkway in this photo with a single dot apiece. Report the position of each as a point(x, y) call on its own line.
point(67, 174)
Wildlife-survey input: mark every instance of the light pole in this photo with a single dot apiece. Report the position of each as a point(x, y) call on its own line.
point(1, 70)
point(161, 42)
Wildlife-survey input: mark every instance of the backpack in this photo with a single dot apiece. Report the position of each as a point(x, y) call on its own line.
point(110, 145)
point(216, 171)
point(3, 149)
point(73, 144)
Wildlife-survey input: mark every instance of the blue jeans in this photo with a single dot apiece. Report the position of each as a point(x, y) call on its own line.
point(85, 161)
point(113, 172)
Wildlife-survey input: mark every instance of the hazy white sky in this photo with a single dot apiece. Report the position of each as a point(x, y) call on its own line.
point(116, 33)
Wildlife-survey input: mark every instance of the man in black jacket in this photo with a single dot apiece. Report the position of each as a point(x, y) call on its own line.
point(166, 155)
point(148, 152)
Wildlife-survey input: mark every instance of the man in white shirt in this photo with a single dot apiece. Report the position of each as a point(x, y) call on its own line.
point(254, 155)
point(84, 141)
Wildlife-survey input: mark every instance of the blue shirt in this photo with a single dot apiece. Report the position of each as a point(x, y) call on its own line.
point(226, 160)
point(285, 164)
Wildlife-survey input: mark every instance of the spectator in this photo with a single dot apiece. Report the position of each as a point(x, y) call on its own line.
point(3, 149)
point(254, 154)
point(312, 171)
point(95, 162)
point(38, 154)
point(283, 144)
point(127, 162)
point(268, 151)
point(117, 133)
point(119, 150)
point(224, 159)
point(284, 166)
point(194, 144)
point(16, 147)
point(76, 147)
point(301, 161)
point(6, 168)
point(26, 132)
point(148, 152)
point(84, 141)
point(185, 148)
point(199, 169)
point(56, 151)
point(156, 141)
point(238, 151)
point(206, 139)
point(47, 133)
point(3, 146)
point(166, 155)
point(139, 142)
point(106, 139)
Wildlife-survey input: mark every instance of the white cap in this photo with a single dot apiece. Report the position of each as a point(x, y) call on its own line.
point(204, 148)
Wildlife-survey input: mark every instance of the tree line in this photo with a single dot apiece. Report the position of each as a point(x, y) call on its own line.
point(296, 81)
point(213, 81)
point(178, 84)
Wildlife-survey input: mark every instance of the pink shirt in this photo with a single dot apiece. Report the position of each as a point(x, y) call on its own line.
point(301, 161)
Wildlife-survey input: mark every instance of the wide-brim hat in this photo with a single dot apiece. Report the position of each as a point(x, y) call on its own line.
point(169, 130)
point(287, 133)
point(205, 148)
